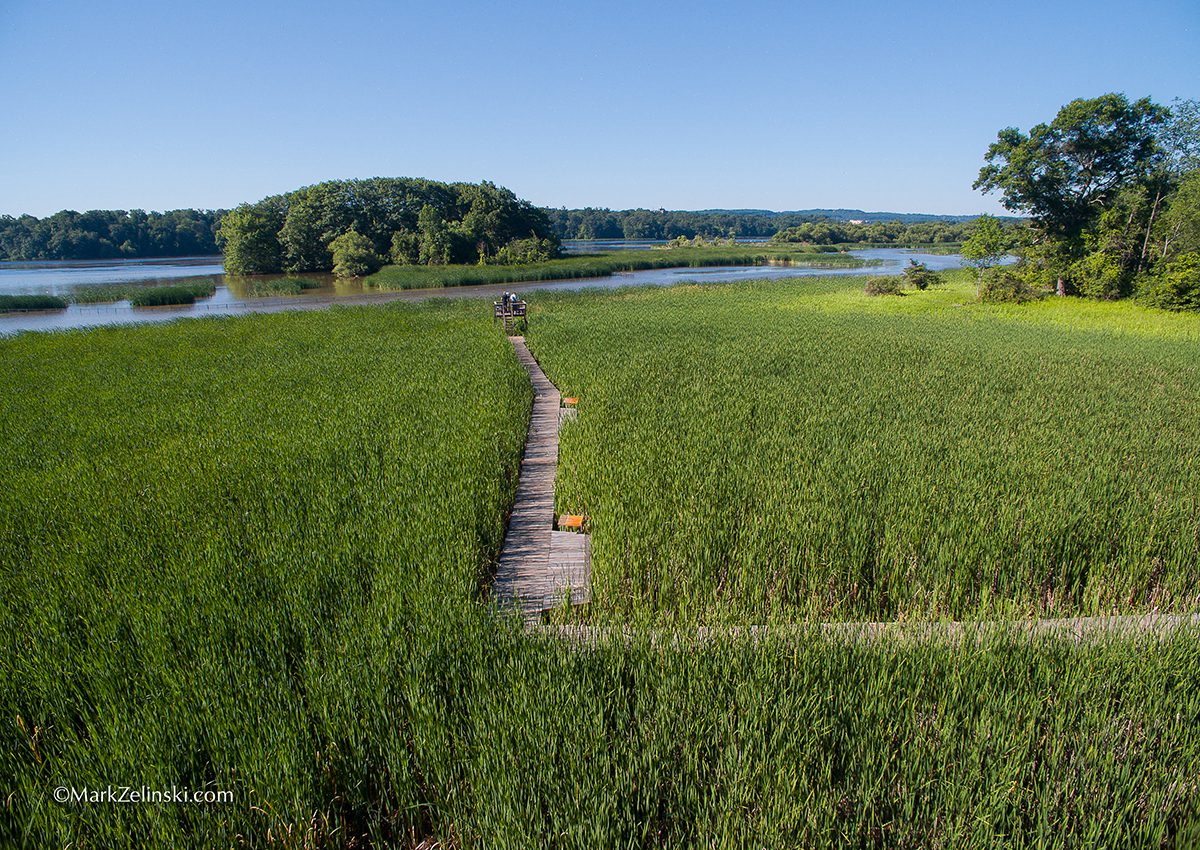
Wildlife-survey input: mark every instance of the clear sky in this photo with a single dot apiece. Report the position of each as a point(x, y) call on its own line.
point(779, 105)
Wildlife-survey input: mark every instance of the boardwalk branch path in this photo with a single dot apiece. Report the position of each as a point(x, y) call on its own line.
point(540, 568)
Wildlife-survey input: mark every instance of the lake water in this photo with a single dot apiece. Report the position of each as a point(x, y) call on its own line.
point(233, 298)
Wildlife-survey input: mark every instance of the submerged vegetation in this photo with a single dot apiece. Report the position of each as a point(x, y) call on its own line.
point(159, 296)
point(262, 287)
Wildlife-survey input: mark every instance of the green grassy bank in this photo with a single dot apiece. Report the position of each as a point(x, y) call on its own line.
point(603, 265)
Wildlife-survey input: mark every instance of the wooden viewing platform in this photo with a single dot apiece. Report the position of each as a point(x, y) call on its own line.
point(512, 312)
point(539, 567)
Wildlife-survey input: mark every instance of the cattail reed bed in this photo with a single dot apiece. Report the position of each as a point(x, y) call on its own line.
point(18, 303)
point(247, 555)
point(144, 295)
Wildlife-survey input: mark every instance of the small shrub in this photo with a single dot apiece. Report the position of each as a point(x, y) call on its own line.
point(1002, 285)
point(1176, 286)
point(1100, 275)
point(880, 285)
point(919, 276)
point(140, 295)
point(12, 303)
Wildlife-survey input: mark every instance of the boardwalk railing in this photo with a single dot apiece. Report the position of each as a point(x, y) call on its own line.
point(512, 313)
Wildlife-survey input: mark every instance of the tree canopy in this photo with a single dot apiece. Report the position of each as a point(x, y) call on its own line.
point(407, 219)
point(987, 243)
point(1063, 173)
point(109, 234)
point(353, 255)
point(1107, 185)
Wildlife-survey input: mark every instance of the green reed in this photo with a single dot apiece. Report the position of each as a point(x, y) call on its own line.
point(251, 554)
point(798, 449)
point(603, 265)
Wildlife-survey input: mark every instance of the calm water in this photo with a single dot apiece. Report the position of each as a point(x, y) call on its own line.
point(232, 297)
point(60, 277)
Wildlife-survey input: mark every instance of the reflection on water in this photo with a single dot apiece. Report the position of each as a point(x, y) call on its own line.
point(276, 293)
point(60, 277)
point(248, 287)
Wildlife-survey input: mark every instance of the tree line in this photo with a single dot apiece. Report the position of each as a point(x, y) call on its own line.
point(940, 232)
point(109, 234)
point(600, 223)
point(1112, 189)
point(351, 227)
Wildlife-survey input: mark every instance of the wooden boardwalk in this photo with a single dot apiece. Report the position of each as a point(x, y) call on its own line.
point(539, 567)
point(1071, 629)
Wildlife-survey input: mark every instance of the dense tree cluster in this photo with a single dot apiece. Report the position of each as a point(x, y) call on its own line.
point(351, 226)
point(105, 234)
point(1113, 191)
point(594, 223)
point(940, 232)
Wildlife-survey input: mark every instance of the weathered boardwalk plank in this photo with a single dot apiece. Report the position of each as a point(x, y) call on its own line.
point(539, 567)
point(1073, 629)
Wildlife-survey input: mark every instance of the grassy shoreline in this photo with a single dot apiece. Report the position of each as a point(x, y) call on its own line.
point(605, 265)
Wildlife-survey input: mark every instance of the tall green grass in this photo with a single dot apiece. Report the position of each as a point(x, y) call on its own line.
point(14, 303)
point(145, 295)
point(602, 265)
point(216, 541)
point(800, 450)
point(265, 286)
point(249, 555)
point(159, 296)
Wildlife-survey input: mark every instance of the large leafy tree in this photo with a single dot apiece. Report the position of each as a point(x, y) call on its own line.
point(249, 238)
point(354, 255)
point(1065, 173)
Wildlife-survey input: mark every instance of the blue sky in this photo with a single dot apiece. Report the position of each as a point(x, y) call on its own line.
point(780, 105)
